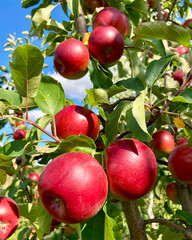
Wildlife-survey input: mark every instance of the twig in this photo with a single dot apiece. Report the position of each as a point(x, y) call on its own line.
point(172, 225)
point(160, 15)
point(81, 23)
point(171, 9)
point(162, 162)
point(29, 198)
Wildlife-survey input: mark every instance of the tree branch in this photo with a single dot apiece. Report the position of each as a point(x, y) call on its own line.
point(81, 23)
point(171, 9)
point(172, 225)
point(184, 196)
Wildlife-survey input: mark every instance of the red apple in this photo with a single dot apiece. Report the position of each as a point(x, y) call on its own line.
point(187, 23)
point(71, 58)
point(18, 114)
point(9, 217)
point(75, 120)
point(162, 142)
point(112, 17)
point(131, 169)
point(18, 123)
point(19, 134)
point(34, 178)
point(178, 76)
point(172, 191)
point(106, 44)
point(182, 50)
point(77, 188)
point(180, 163)
point(152, 3)
point(182, 140)
point(150, 55)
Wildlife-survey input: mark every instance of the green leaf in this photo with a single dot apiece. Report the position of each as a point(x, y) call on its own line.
point(28, 211)
point(100, 76)
point(168, 234)
point(158, 44)
point(49, 38)
point(3, 69)
point(12, 97)
point(2, 108)
point(132, 83)
point(79, 143)
point(156, 68)
point(50, 96)
point(113, 90)
point(160, 30)
point(42, 15)
point(29, 3)
point(52, 24)
point(96, 97)
point(95, 227)
point(74, 7)
point(186, 97)
point(3, 176)
point(26, 66)
point(183, 215)
point(111, 128)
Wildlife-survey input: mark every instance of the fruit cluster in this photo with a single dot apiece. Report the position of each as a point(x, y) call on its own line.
point(106, 44)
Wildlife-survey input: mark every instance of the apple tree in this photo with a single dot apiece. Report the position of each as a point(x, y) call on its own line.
point(120, 165)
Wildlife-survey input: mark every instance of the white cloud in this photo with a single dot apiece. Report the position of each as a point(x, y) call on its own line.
point(74, 89)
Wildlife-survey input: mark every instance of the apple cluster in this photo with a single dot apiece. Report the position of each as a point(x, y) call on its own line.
point(106, 44)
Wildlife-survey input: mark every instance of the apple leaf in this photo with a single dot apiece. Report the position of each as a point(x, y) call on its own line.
point(157, 44)
point(156, 68)
point(42, 15)
point(29, 3)
point(50, 96)
point(131, 83)
point(2, 108)
point(53, 25)
point(12, 97)
point(3, 176)
point(49, 38)
point(29, 211)
point(112, 123)
point(96, 97)
point(113, 90)
point(186, 97)
point(160, 30)
point(78, 143)
point(168, 234)
point(183, 215)
point(26, 66)
point(98, 72)
point(74, 7)
point(94, 228)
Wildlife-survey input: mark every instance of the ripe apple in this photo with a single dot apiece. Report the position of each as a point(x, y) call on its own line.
point(18, 114)
point(182, 50)
point(34, 178)
point(112, 17)
point(131, 169)
point(75, 120)
point(172, 191)
point(9, 217)
point(152, 3)
point(180, 163)
point(182, 140)
point(162, 143)
point(77, 188)
point(178, 76)
point(187, 23)
point(19, 134)
point(150, 55)
point(71, 58)
point(106, 44)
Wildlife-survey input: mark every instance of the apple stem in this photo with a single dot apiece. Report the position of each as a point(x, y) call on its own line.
point(29, 199)
point(134, 220)
point(81, 23)
point(172, 225)
point(184, 196)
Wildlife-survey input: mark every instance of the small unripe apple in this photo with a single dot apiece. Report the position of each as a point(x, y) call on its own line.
point(131, 169)
point(178, 76)
point(77, 188)
point(182, 140)
point(19, 134)
point(75, 120)
point(187, 23)
point(34, 178)
point(106, 44)
point(172, 191)
point(71, 58)
point(182, 50)
point(112, 17)
point(180, 163)
point(9, 217)
point(162, 143)
point(152, 3)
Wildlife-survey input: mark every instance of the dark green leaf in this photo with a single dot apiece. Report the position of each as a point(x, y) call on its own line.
point(74, 7)
point(183, 215)
point(168, 234)
point(156, 68)
point(186, 97)
point(3, 176)
point(100, 76)
point(29, 3)
point(26, 66)
point(96, 97)
point(158, 44)
point(131, 83)
point(50, 96)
